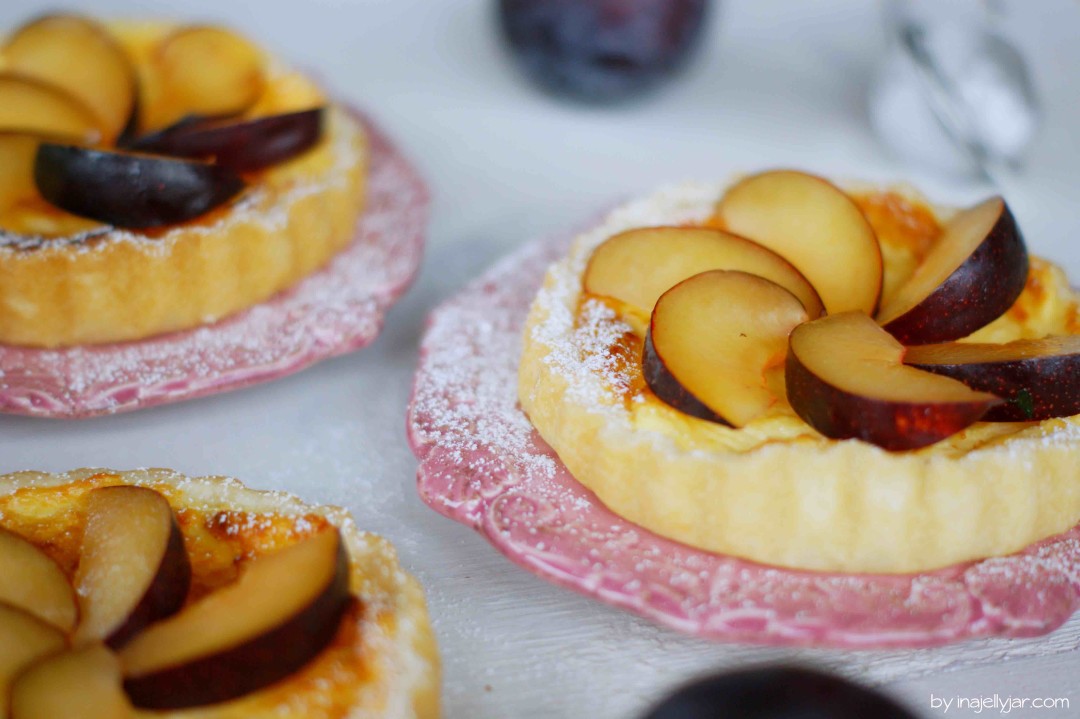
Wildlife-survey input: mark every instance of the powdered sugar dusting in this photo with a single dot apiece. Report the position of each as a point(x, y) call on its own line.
point(401, 672)
point(484, 465)
point(475, 440)
point(334, 311)
point(580, 345)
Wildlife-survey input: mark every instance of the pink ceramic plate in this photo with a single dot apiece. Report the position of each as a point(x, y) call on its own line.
point(337, 310)
point(482, 464)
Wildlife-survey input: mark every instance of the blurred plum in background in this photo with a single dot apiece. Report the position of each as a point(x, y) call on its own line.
point(776, 693)
point(601, 51)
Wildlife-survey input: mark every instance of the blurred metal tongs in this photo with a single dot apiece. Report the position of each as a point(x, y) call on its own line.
point(974, 83)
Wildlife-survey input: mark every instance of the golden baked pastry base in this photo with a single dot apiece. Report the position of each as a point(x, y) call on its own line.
point(383, 662)
point(116, 285)
point(776, 492)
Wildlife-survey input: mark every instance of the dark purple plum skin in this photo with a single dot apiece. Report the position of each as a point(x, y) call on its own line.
point(979, 291)
point(129, 190)
point(895, 426)
point(166, 594)
point(776, 693)
point(256, 664)
point(1035, 389)
point(134, 138)
point(601, 51)
point(668, 389)
point(242, 145)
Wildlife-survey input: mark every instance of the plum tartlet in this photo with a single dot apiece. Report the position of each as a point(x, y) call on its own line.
point(157, 177)
point(148, 590)
point(839, 380)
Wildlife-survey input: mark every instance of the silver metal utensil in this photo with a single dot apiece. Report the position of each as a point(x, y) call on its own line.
point(951, 73)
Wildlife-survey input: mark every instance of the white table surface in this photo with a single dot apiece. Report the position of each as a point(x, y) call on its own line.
point(780, 83)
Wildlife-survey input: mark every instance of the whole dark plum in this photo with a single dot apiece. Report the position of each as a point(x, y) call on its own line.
point(776, 693)
point(601, 50)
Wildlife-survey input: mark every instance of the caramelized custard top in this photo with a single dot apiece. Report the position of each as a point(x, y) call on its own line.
point(906, 229)
point(218, 542)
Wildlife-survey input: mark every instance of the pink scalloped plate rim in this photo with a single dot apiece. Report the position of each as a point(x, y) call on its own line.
point(482, 464)
point(339, 309)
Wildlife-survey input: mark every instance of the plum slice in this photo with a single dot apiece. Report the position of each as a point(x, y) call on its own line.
point(131, 190)
point(78, 55)
point(133, 569)
point(815, 226)
point(711, 341)
point(846, 378)
point(970, 277)
point(637, 266)
point(282, 611)
point(1039, 378)
point(204, 70)
point(35, 583)
point(17, 152)
point(25, 639)
point(243, 145)
point(83, 683)
point(20, 201)
point(32, 106)
point(22, 209)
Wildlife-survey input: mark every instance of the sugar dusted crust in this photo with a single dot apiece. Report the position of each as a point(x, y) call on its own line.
point(336, 310)
point(115, 285)
point(382, 664)
point(777, 492)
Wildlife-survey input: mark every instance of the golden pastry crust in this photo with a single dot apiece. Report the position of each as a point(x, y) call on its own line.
point(117, 285)
point(383, 663)
point(776, 491)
